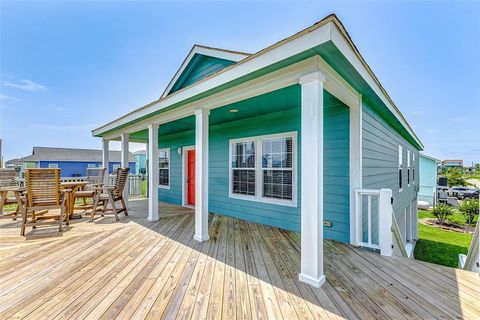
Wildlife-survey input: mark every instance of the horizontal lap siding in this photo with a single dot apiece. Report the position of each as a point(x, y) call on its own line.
point(219, 202)
point(70, 168)
point(336, 174)
point(380, 161)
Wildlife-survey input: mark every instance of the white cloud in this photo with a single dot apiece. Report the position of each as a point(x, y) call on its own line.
point(26, 85)
point(5, 97)
point(78, 128)
point(460, 119)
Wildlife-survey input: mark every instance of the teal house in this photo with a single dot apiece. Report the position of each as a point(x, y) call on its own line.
point(428, 179)
point(300, 135)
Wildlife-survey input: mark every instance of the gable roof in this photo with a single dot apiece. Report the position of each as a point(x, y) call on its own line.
point(327, 38)
point(211, 59)
point(429, 157)
point(67, 154)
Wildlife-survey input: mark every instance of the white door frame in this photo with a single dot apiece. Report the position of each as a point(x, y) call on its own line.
point(184, 176)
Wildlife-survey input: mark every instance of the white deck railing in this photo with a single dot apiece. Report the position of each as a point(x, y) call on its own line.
point(471, 261)
point(382, 231)
point(134, 182)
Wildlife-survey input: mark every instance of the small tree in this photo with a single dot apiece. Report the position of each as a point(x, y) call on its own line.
point(469, 209)
point(441, 212)
point(455, 177)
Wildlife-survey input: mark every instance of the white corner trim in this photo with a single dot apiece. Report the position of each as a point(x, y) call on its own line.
point(313, 76)
point(201, 238)
point(317, 283)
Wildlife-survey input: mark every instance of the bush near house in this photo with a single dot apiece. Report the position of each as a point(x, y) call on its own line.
point(469, 209)
point(441, 212)
point(440, 246)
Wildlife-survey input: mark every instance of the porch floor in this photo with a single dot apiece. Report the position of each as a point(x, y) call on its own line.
point(140, 269)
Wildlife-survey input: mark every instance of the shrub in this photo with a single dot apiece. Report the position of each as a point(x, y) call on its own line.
point(469, 209)
point(441, 212)
point(455, 177)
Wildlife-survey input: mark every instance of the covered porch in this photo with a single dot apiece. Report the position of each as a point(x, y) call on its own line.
point(136, 268)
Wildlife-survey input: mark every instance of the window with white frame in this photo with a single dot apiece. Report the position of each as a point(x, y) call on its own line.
point(400, 162)
point(164, 168)
point(243, 167)
point(408, 168)
point(413, 167)
point(53, 165)
point(91, 165)
point(115, 167)
point(263, 168)
point(277, 168)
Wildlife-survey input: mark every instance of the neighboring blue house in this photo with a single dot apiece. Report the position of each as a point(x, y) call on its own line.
point(141, 162)
point(73, 162)
point(428, 179)
point(300, 135)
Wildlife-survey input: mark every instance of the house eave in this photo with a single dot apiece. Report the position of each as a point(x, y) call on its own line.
point(328, 29)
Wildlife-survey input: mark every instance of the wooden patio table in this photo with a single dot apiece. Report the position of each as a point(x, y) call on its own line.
point(17, 191)
point(73, 187)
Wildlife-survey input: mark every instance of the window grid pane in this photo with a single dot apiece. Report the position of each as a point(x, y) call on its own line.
point(277, 153)
point(278, 184)
point(243, 155)
point(243, 181)
point(164, 167)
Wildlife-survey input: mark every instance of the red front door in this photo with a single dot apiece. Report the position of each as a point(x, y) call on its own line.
point(191, 177)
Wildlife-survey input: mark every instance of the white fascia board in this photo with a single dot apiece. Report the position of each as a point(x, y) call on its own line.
point(346, 49)
point(211, 52)
point(429, 157)
point(251, 64)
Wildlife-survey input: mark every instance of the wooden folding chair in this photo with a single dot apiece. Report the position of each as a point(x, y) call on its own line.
point(111, 194)
point(8, 187)
point(94, 178)
point(43, 194)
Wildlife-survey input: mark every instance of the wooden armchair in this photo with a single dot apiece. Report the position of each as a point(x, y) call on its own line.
point(8, 187)
point(111, 194)
point(43, 193)
point(95, 178)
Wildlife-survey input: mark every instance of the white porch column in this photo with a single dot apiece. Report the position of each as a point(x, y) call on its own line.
point(201, 175)
point(356, 161)
point(124, 161)
point(153, 173)
point(311, 264)
point(105, 159)
point(385, 219)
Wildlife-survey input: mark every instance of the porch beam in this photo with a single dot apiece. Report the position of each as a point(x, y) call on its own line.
point(153, 172)
point(124, 140)
point(311, 261)
point(105, 158)
point(201, 174)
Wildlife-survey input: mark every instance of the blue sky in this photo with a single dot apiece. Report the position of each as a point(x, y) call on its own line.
point(68, 67)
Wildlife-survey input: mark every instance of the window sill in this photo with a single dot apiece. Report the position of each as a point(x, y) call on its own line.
point(285, 203)
point(164, 187)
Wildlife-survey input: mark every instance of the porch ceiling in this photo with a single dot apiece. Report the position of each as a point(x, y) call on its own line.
point(278, 100)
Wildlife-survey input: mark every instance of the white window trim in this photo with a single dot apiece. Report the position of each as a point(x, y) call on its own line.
point(115, 167)
point(400, 163)
point(258, 197)
point(91, 165)
point(53, 166)
point(167, 150)
point(413, 166)
point(409, 177)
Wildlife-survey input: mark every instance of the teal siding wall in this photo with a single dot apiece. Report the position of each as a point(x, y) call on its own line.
point(336, 161)
point(199, 67)
point(380, 162)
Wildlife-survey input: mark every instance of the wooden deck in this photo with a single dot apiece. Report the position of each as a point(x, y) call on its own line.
point(139, 269)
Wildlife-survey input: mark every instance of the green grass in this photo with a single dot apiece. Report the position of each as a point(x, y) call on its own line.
point(456, 217)
point(440, 246)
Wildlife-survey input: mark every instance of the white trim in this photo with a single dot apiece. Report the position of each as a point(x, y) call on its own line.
point(326, 30)
point(153, 214)
point(211, 52)
point(124, 154)
point(161, 186)
point(53, 166)
point(184, 176)
point(201, 174)
point(409, 177)
point(311, 213)
point(259, 170)
point(356, 166)
point(91, 165)
point(317, 283)
point(400, 167)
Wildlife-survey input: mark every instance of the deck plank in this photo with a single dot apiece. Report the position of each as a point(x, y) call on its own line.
point(140, 269)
